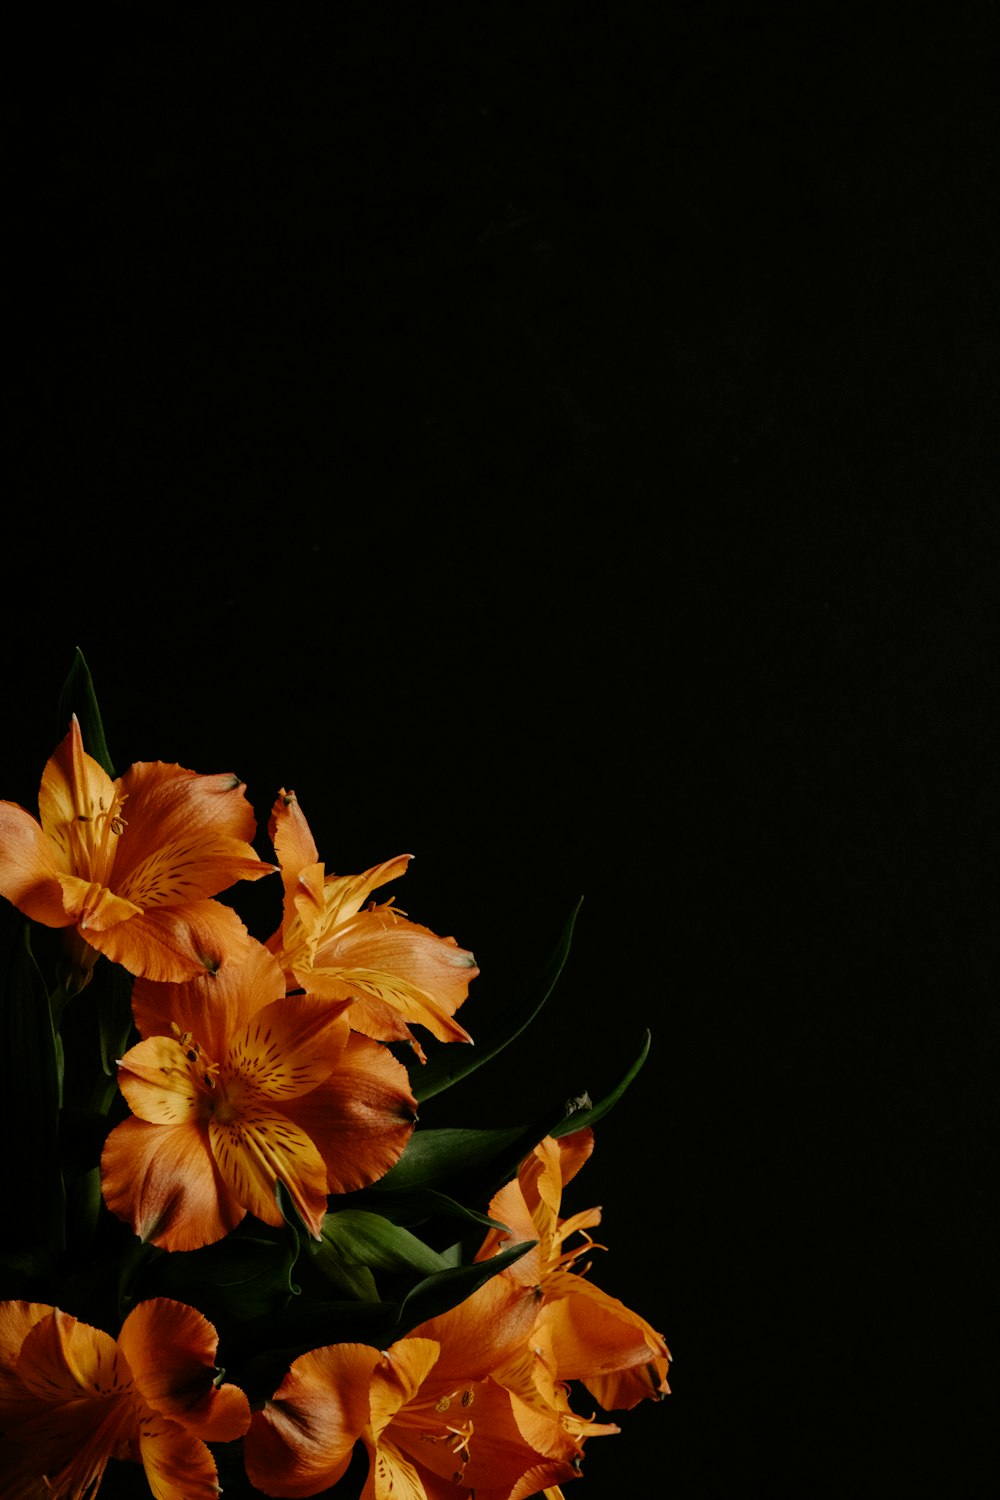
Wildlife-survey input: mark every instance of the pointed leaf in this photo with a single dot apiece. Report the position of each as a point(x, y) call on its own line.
point(78, 697)
point(453, 1062)
point(407, 1207)
point(592, 1113)
point(368, 1239)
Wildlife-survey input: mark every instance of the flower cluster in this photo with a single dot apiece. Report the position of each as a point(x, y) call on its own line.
point(229, 1163)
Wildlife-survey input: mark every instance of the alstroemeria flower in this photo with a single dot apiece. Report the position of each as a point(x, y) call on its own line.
point(236, 1085)
point(435, 1423)
point(72, 1397)
point(131, 864)
point(580, 1333)
point(391, 970)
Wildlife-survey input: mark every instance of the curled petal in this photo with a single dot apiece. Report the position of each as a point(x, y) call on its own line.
point(29, 871)
point(593, 1335)
point(402, 1371)
point(171, 943)
point(301, 1441)
point(92, 906)
point(163, 1180)
point(171, 1351)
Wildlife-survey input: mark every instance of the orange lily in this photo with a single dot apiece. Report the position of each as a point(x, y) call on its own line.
point(72, 1397)
point(131, 864)
point(580, 1332)
point(236, 1085)
point(391, 970)
point(434, 1421)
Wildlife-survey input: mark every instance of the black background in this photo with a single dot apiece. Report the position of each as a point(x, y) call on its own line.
point(557, 441)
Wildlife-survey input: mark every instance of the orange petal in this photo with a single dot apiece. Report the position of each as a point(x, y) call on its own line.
point(394, 1477)
point(593, 1334)
point(29, 872)
point(83, 1385)
point(261, 1146)
point(171, 1351)
point(293, 842)
point(482, 1333)
point(302, 1440)
point(288, 1047)
point(16, 1321)
point(178, 1466)
point(160, 1083)
point(169, 944)
point(92, 905)
point(213, 1005)
point(344, 895)
point(361, 1117)
point(162, 1179)
point(169, 807)
point(74, 789)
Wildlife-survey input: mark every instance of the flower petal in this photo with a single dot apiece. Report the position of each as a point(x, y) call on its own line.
point(16, 1321)
point(83, 1388)
point(379, 956)
point(29, 872)
point(593, 1335)
point(214, 1004)
point(184, 830)
point(288, 1046)
point(361, 1117)
point(162, 1179)
point(302, 1440)
point(173, 943)
point(178, 1466)
point(401, 1372)
point(171, 1350)
point(159, 1082)
point(256, 1149)
point(75, 789)
point(393, 1476)
point(92, 906)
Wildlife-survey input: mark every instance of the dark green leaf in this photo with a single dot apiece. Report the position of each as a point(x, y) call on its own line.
point(360, 1238)
point(458, 1060)
point(407, 1207)
point(78, 697)
point(595, 1112)
point(244, 1276)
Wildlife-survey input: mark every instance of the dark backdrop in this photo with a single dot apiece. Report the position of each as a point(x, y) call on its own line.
point(556, 441)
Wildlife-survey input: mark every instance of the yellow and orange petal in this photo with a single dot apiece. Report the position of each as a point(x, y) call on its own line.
point(390, 970)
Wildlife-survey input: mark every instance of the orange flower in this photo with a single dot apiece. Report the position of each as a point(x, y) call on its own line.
point(131, 864)
point(236, 1085)
point(580, 1332)
point(391, 970)
point(434, 1421)
point(71, 1397)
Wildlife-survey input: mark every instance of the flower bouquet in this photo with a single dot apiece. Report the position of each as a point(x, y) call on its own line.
point(240, 1253)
